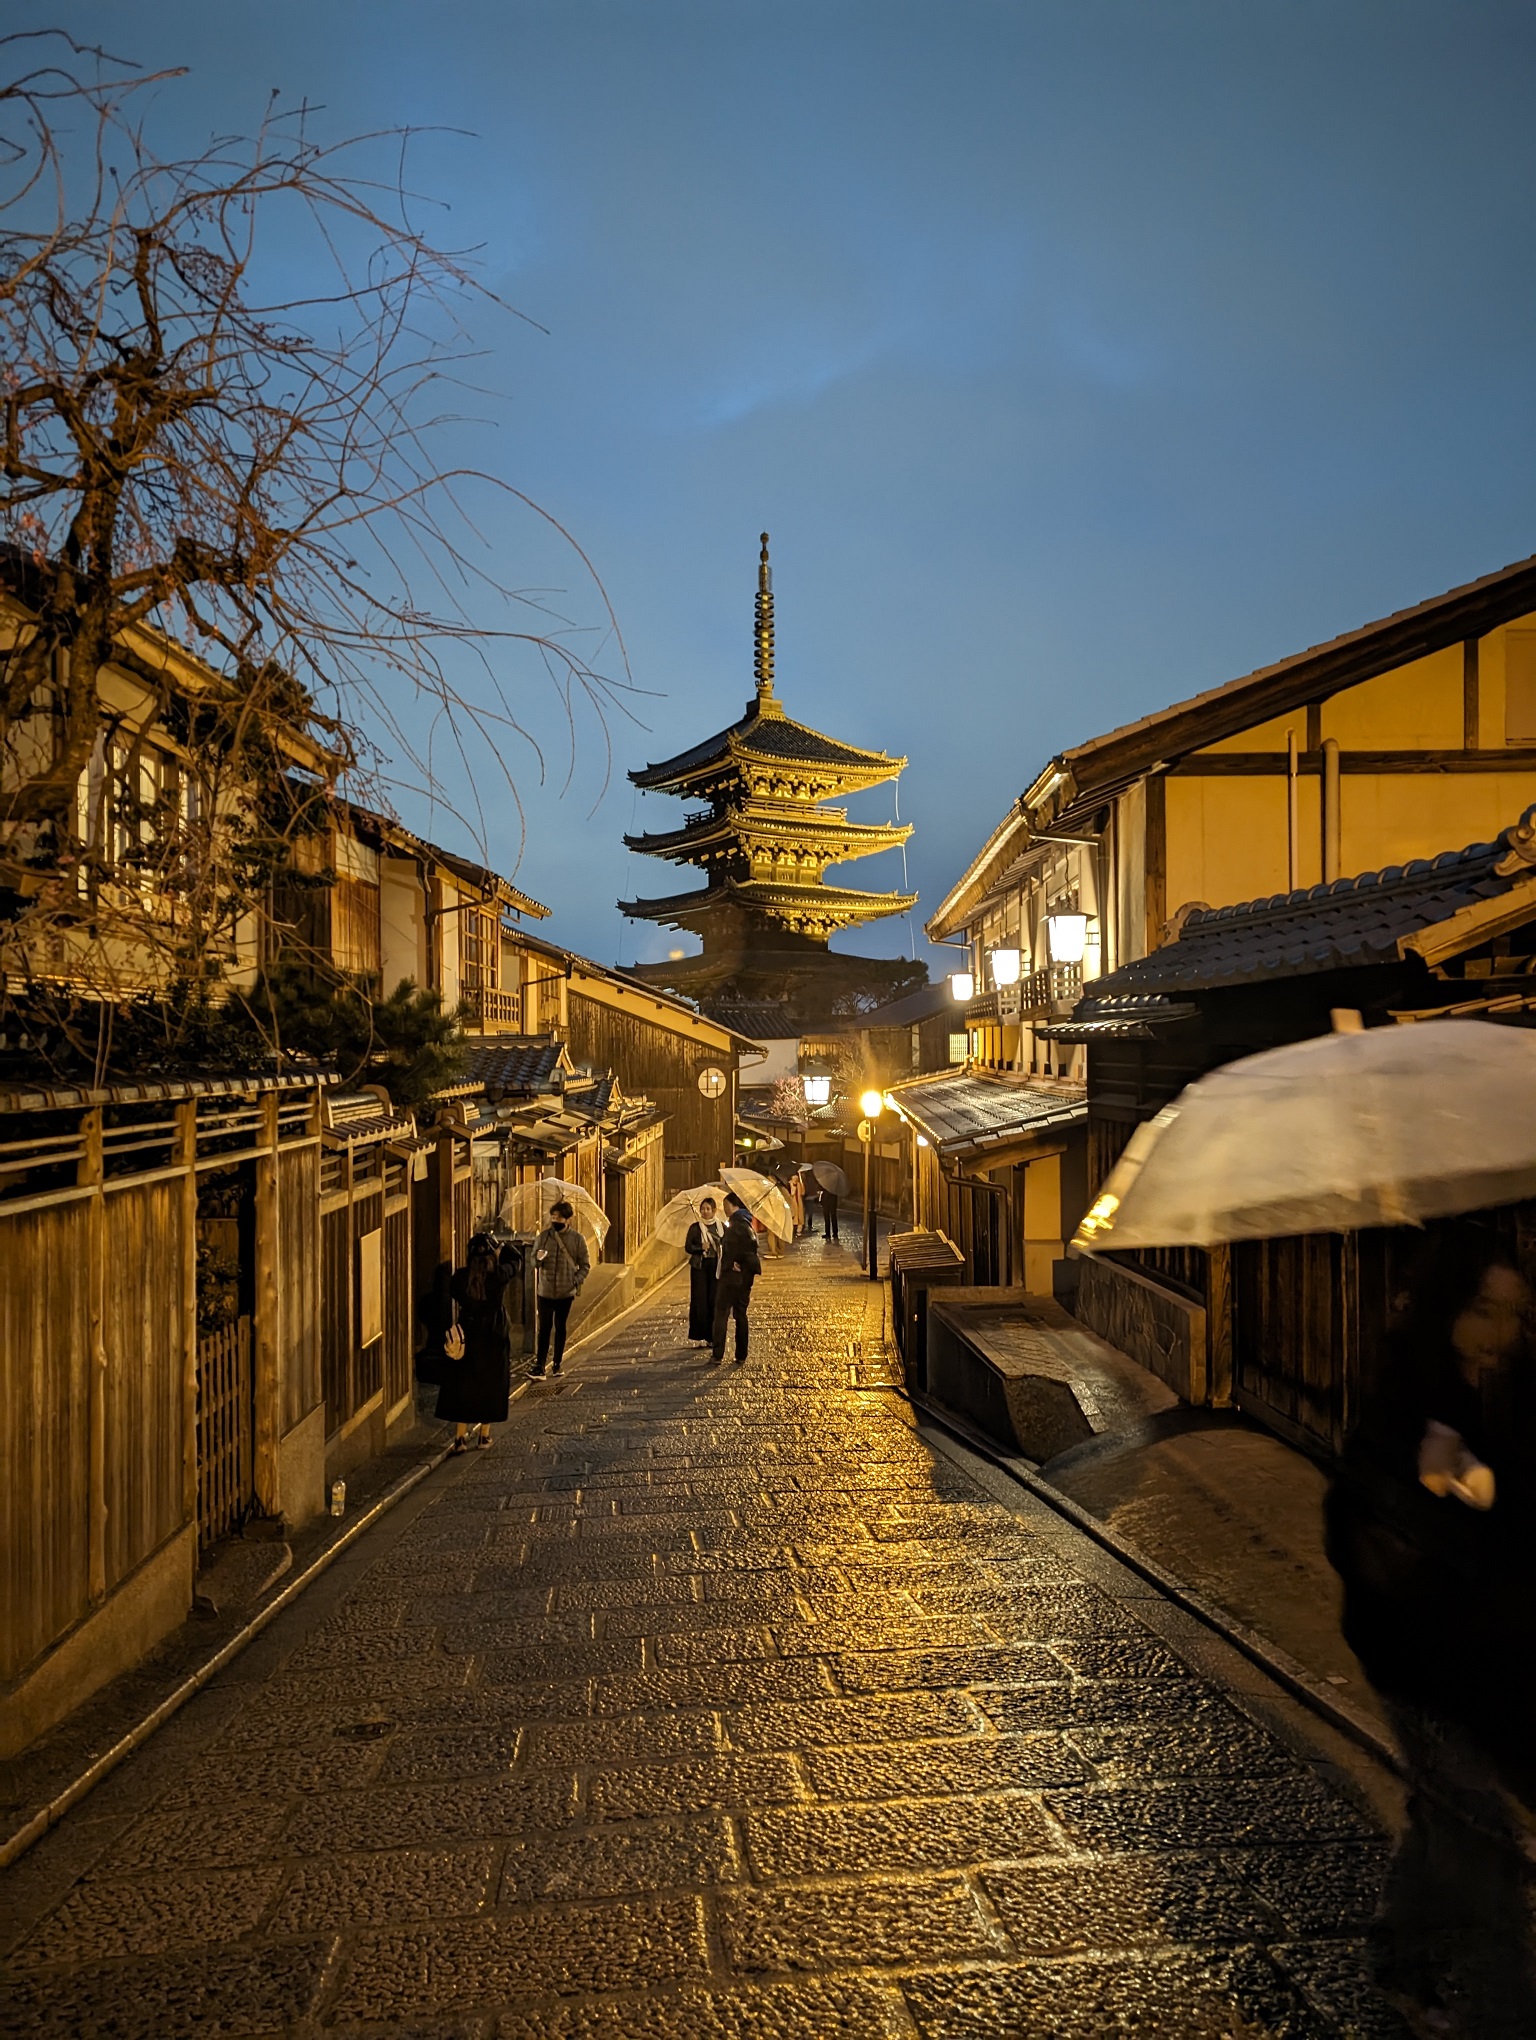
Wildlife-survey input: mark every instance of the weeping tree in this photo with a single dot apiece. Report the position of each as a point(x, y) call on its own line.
point(240, 573)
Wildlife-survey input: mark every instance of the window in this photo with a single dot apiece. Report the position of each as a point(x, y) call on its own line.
point(480, 963)
point(1520, 687)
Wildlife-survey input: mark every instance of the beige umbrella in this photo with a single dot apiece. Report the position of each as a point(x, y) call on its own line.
point(1391, 1126)
point(527, 1207)
point(679, 1212)
point(763, 1198)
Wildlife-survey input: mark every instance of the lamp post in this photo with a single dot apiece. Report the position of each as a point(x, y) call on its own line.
point(871, 1104)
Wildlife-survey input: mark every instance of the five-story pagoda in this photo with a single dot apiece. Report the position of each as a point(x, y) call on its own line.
point(764, 838)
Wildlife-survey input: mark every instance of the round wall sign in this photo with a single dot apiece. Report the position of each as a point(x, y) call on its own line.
point(712, 1082)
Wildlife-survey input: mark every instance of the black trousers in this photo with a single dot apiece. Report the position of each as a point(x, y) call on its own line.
point(553, 1313)
point(829, 1221)
point(731, 1300)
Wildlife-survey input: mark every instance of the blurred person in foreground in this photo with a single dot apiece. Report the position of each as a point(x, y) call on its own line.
point(1432, 1528)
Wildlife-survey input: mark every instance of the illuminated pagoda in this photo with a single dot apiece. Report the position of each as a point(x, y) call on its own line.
point(764, 838)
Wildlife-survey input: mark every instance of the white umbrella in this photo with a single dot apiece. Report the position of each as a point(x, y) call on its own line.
point(528, 1206)
point(679, 1212)
point(1387, 1127)
point(763, 1198)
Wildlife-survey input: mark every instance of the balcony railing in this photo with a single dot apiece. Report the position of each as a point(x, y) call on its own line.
point(486, 1008)
point(1049, 991)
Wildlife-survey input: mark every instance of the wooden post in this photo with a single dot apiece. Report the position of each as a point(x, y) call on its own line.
point(1471, 696)
point(90, 1173)
point(186, 1157)
point(1218, 1327)
point(1292, 812)
point(1156, 860)
point(1331, 817)
point(266, 1344)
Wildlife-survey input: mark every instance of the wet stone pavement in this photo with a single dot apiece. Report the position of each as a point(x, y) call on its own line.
point(712, 1705)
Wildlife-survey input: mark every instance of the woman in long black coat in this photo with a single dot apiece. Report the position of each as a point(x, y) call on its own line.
point(475, 1389)
point(702, 1247)
point(1432, 1527)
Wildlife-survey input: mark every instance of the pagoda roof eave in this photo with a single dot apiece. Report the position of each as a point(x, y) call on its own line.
point(766, 736)
point(824, 901)
point(870, 836)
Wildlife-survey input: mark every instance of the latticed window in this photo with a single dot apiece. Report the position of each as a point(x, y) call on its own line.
point(480, 960)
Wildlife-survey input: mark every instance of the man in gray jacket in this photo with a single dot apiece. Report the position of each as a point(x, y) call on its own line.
point(561, 1264)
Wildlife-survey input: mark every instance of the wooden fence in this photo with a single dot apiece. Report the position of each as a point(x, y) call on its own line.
point(100, 1463)
point(226, 1415)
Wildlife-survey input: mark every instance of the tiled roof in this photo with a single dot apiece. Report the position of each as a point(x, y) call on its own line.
point(1352, 922)
point(1136, 1017)
point(514, 1062)
point(969, 1113)
point(922, 1004)
point(761, 1019)
point(769, 736)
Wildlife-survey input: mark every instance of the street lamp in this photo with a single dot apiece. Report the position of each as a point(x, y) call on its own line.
point(1068, 937)
point(818, 1090)
point(1005, 966)
point(962, 986)
point(871, 1104)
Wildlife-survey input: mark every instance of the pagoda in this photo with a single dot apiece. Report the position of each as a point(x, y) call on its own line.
point(764, 838)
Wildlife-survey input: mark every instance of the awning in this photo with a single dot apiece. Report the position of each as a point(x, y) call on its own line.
point(1130, 1017)
point(973, 1116)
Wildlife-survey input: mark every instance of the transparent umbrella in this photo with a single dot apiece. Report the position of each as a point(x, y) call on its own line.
point(679, 1212)
point(527, 1208)
point(763, 1198)
point(1391, 1126)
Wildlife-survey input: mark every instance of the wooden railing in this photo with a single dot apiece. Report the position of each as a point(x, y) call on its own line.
point(492, 1008)
point(1046, 991)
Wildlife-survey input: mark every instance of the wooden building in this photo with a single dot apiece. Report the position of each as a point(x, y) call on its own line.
point(1291, 1329)
point(1372, 750)
point(685, 1063)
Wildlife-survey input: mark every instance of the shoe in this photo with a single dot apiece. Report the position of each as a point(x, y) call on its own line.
point(459, 1445)
point(556, 1368)
point(536, 1373)
point(485, 1444)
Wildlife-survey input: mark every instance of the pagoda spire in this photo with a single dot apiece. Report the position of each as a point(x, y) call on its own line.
point(762, 629)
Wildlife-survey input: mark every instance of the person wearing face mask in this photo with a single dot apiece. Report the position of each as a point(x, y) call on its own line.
point(1431, 1524)
point(561, 1264)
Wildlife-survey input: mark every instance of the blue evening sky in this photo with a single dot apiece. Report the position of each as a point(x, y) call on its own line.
point(1078, 354)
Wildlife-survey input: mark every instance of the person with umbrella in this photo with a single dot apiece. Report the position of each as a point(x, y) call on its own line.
point(477, 1386)
point(740, 1265)
point(702, 1247)
point(797, 1201)
point(1431, 1517)
point(1432, 1529)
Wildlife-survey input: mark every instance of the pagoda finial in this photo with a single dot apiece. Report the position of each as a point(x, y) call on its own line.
point(762, 628)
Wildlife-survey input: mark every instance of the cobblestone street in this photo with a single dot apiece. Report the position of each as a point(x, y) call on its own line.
point(713, 1704)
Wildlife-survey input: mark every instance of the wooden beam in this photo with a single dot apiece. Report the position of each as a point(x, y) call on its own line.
point(88, 1175)
point(1471, 695)
point(1156, 862)
point(1272, 764)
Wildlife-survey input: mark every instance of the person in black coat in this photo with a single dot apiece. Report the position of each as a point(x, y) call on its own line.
point(828, 1214)
point(702, 1247)
point(1432, 1528)
point(475, 1389)
point(740, 1265)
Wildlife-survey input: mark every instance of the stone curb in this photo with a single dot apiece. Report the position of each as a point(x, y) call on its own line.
point(1276, 1663)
